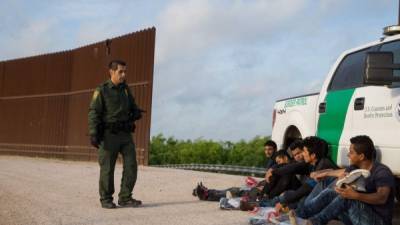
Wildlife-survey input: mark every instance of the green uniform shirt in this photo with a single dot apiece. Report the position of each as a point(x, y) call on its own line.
point(110, 103)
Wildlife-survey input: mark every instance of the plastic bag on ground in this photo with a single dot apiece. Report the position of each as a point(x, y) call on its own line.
point(229, 203)
point(268, 216)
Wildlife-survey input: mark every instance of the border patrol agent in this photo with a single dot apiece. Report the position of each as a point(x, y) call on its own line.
point(112, 116)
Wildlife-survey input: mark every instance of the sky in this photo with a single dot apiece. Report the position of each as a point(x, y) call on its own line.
point(219, 65)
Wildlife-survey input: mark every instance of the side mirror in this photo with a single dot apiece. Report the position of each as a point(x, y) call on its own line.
point(379, 68)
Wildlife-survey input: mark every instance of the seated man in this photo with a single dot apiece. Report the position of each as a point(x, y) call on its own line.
point(315, 159)
point(278, 184)
point(375, 206)
point(296, 149)
point(270, 151)
point(203, 193)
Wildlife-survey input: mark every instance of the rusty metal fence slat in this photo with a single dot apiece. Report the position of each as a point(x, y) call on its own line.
point(44, 99)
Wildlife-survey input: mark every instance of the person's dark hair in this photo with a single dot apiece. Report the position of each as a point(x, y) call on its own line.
point(113, 65)
point(271, 143)
point(282, 153)
point(325, 148)
point(317, 146)
point(296, 144)
point(364, 145)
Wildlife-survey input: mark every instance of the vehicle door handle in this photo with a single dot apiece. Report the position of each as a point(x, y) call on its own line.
point(359, 103)
point(322, 107)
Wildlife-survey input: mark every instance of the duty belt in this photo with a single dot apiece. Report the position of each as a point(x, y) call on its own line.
point(119, 126)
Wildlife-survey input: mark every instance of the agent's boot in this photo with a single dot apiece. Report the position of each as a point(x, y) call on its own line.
point(108, 205)
point(130, 203)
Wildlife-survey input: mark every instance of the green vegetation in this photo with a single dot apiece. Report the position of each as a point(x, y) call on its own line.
point(172, 151)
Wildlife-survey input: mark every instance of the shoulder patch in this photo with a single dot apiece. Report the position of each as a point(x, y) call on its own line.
point(95, 95)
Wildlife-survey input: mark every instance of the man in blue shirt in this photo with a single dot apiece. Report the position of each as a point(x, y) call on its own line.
point(375, 206)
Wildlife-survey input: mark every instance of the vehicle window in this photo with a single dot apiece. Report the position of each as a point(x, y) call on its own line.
point(395, 48)
point(350, 72)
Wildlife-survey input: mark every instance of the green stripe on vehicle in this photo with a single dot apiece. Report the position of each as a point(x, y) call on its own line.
point(331, 123)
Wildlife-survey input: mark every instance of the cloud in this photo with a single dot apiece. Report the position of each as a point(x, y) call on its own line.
point(195, 26)
point(220, 65)
point(203, 47)
point(34, 45)
point(35, 27)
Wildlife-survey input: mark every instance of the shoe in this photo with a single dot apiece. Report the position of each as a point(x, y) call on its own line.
point(355, 179)
point(108, 205)
point(194, 192)
point(201, 192)
point(130, 203)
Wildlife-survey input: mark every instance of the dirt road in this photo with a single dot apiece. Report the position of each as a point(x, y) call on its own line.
point(44, 191)
point(54, 192)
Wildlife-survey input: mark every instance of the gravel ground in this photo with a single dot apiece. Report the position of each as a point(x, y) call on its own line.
point(56, 192)
point(48, 191)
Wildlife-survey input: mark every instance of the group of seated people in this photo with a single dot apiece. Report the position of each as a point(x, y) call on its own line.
point(305, 180)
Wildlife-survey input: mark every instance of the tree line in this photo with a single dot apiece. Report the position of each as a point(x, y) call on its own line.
point(168, 150)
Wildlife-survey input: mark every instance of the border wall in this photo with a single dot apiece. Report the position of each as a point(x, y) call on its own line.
point(44, 99)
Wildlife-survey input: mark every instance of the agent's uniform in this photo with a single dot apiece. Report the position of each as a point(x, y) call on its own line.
point(110, 120)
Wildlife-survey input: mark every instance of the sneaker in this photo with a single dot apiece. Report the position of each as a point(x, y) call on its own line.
point(130, 203)
point(194, 192)
point(201, 192)
point(355, 179)
point(108, 205)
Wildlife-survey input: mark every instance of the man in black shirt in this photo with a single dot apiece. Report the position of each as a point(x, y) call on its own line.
point(314, 153)
point(270, 150)
point(278, 184)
